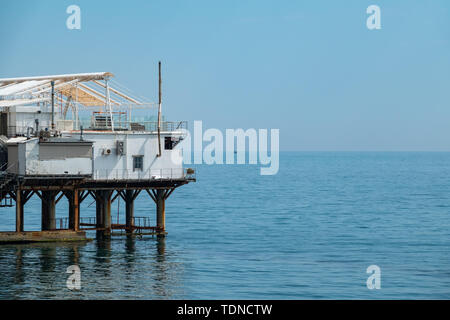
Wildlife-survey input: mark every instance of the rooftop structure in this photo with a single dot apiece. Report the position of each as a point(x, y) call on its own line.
point(76, 136)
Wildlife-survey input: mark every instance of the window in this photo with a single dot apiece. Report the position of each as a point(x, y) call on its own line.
point(168, 143)
point(138, 163)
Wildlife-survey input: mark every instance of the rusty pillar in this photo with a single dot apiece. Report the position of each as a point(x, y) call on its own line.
point(129, 210)
point(19, 211)
point(48, 210)
point(103, 211)
point(107, 211)
point(69, 195)
point(99, 212)
point(161, 212)
point(74, 209)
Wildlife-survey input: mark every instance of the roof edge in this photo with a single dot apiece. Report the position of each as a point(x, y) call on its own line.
point(81, 76)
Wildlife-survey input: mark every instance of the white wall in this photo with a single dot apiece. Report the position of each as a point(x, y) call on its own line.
point(114, 166)
point(24, 116)
point(34, 166)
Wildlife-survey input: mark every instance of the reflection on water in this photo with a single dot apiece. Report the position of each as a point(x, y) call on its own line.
point(128, 267)
point(309, 232)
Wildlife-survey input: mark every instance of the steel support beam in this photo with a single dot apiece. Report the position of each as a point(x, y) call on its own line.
point(129, 210)
point(103, 211)
point(161, 212)
point(19, 211)
point(74, 209)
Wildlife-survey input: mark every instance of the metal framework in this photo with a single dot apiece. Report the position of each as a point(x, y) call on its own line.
point(84, 88)
point(79, 91)
point(76, 190)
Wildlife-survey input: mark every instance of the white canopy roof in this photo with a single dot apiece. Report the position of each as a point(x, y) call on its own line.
point(83, 88)
point(66, 77)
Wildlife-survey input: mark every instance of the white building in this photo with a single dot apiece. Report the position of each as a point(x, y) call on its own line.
point(76, 136)
point(42, 117)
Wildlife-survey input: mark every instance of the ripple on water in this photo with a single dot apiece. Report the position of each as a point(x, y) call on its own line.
point(309, 232)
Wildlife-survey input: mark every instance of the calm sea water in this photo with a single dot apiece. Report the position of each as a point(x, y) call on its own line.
point(309, 232)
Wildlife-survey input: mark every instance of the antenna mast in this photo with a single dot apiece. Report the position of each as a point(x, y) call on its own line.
point(159, 110)
point(53, 105)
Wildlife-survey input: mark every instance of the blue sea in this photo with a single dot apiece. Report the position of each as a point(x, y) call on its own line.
point(309, 232)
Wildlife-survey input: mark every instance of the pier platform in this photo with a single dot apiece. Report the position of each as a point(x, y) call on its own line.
point(46, 152)
point(42, 236)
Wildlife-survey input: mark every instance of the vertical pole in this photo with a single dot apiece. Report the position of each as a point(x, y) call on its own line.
point(76, 107)
point(129, 117)
point(19, 211)
point(129, 210)
point(108, 103)
point(99, 212)
point(69, 195)
point(53, 104)
point(160, 212)
point(74, 216)
point(159, 108)
point(76, 210)
point(107, 211)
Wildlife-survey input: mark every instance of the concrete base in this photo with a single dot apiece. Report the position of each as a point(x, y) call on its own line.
point(42, 236)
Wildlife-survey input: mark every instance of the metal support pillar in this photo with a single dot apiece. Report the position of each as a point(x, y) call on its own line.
point(103, 210)
point(161, 212)
point(107, 211)
point(99, 212)
point(19, 211)
point(74, 210)
point(48, 210)
point(69, 195)
point(129, 210)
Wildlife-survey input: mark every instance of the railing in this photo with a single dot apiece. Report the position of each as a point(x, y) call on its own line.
point(150, 126)
point(7, 173)
point(106, 120)
point(10, 171)
point(21, 129)
point(12, 131)
point(4, 167)
point(105, 124)
point(9, 167)
point(88, 221)
point(5, 200)
point(138, 223)
point(61, 223)
point(151, 174)
point(141, 222)
point(165, 125)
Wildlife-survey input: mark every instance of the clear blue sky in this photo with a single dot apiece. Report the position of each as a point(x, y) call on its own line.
point(310, 68)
